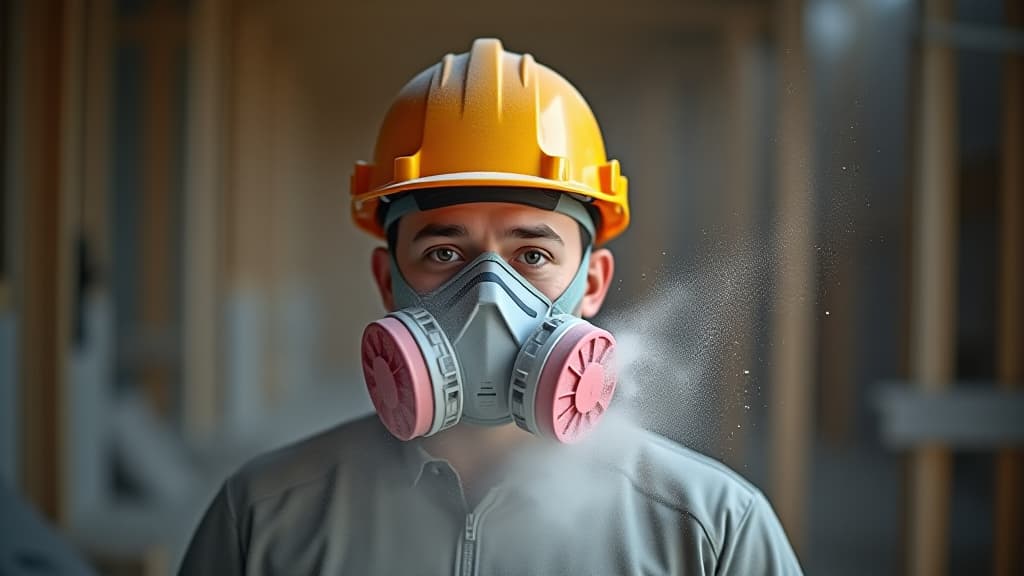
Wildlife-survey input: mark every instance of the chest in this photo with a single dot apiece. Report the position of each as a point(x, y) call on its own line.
point(429, 530)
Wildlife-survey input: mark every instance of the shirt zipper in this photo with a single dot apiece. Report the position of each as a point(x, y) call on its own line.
point(472, 533)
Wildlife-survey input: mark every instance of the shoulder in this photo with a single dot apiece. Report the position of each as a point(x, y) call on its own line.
point(678, 473)
point(316, 460)
point(744, 531)
point(691, 484)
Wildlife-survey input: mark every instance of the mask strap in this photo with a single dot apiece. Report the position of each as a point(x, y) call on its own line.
point(398, 208)
point(402, 294)
point(575, 209)
point(570, 300)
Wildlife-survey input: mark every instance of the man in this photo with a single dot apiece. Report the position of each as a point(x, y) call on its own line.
point(491, 187)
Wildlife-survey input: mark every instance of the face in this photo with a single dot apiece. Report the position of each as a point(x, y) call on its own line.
point(543, 246)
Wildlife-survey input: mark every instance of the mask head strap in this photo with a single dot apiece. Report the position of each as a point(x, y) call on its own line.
point(432, 198)
point(570, 300)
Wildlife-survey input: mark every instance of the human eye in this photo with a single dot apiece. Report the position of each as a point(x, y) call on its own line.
point(443, 255)
point(533, 258)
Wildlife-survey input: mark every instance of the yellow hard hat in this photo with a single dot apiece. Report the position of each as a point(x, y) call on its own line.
point(491, 118)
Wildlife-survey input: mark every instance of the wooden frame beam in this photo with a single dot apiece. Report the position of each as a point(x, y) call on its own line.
point(203, 382)
point(1008, 558)
point(39, 79)
point(792, 321)
point(934, 302)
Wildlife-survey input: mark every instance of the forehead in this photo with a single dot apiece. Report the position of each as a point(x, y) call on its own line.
point(481, 217)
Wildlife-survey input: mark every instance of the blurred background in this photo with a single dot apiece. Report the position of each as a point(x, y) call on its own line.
point(181, 287)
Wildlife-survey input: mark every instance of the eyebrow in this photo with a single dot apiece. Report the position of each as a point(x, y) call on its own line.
point(443, 230)
point(534, 232)
point(457, 231)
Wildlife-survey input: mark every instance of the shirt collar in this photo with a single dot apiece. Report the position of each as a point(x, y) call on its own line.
point(415, 460)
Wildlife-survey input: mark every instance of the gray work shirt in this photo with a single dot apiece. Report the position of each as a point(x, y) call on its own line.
point(353, 500)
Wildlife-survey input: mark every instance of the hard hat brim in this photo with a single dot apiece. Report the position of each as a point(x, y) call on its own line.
point(614, 217)
point(496, 179)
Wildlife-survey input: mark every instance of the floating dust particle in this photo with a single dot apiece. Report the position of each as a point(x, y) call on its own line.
point(683, 343)
point(680, 349)
point(679, 346)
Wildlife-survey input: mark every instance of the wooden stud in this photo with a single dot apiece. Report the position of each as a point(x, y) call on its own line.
point(41, 337)
point(792, 334)
point(203, 219)
point(1008, 559)
point(161, 30)
point(741, 38)
point(69, 225)
point(98, 81)
point(251, 210)
point(934, 303)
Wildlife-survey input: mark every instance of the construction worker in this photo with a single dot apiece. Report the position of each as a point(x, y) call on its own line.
point(491, 187)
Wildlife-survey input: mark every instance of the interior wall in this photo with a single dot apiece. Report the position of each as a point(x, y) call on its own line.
point(311, 82)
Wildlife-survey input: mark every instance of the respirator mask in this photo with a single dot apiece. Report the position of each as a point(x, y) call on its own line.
point(487, 347)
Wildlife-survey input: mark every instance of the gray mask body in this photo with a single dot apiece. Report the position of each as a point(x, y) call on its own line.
point(488, 311)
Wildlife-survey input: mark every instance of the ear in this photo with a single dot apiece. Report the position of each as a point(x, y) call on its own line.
point(380, 265)
point(599, 279)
